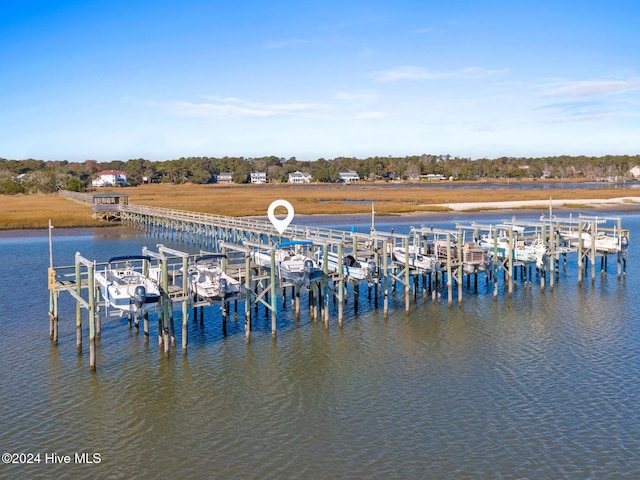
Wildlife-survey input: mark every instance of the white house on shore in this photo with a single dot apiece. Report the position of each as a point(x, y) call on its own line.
point(224, 177)
point(348, 176)
point(635, 172)
point(433, 176)
point(258, 177)
point(299, 177)
point(110, 178)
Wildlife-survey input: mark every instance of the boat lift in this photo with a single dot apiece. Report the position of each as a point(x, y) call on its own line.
point(446, 245)
point(169, 294)
point(593, 225)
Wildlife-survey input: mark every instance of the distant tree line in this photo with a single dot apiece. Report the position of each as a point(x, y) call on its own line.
point(31, 176)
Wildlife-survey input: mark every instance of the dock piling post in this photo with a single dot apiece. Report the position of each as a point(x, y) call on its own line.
point(92, 318)
point(274, 299)
point(385, 279)
point(247, 301)
point(340, 285)
point(185, 304)
point(78, 310)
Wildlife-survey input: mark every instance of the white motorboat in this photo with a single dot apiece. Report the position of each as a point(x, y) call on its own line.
point(208, 280)
point(527, 252)
point(126, 288)
point(603, 242)
point(290, 262)
point(416, 258)
point(351, 266)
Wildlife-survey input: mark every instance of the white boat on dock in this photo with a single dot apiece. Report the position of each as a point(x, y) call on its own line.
point(604, 243)
point(416, 259)
point(351, 266)
point(526, 252)
point(207, 279)
point(125, 288)
point(291, 263)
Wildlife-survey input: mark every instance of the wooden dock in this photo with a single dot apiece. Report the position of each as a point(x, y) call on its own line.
point(455, 256)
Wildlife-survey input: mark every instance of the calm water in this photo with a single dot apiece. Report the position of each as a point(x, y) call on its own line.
point(541, 385)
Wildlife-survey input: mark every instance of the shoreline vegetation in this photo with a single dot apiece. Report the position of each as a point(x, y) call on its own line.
point(34, 211)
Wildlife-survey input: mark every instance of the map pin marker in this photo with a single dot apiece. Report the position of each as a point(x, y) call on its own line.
point(281, 225)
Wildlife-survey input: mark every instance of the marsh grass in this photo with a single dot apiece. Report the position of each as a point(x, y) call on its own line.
point(34, 211)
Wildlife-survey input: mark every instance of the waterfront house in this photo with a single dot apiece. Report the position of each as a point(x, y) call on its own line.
point(258, 177)
point(433, 177)
point(299, 177)
point(348, 176)
point(224, 177)
point(110, 178)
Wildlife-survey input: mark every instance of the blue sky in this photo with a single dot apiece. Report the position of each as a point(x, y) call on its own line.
point(114, 79)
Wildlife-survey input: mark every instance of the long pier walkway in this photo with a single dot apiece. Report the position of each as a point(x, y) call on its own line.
point(425, 259)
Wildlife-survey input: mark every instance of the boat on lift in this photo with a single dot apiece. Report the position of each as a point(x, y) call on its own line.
point(291, 263)
point(526, 252)
point(208, 280)
point(351, 266)
point(124, 286)
point(474, 258)
point(416, 258)
point(604, 243)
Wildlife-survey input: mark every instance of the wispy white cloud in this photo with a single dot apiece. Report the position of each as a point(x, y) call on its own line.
point(369, 115)
point(348, 105)
point(275, 44)
point(589, 100)
point(574, 111)
point(593, 88)
point(426, 30)
point(357, 97)
point(412, 72)
point(230, 106)
point(588, 111)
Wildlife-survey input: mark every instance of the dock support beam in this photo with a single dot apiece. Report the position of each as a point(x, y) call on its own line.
point(92, 319)
point(53, 317)
point(185, 306)
point(78, 311)
point(247, 302)
point(340, 285)
point(274, 299)
point(385, 279)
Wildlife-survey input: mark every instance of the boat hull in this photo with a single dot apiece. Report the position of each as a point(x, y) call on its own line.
point(122, 290)
point(291, 267)
point(211, 283)
point(350, 266)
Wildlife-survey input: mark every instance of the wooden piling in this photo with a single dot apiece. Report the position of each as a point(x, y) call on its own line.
point(92, 318)
point(248, 297)
point(78, 310)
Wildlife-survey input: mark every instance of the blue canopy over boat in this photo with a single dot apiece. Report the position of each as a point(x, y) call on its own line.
point(127, 258)
point(209, 256)
point(292, 243)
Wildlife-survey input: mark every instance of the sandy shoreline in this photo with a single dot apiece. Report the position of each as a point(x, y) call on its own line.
point(620, 203)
